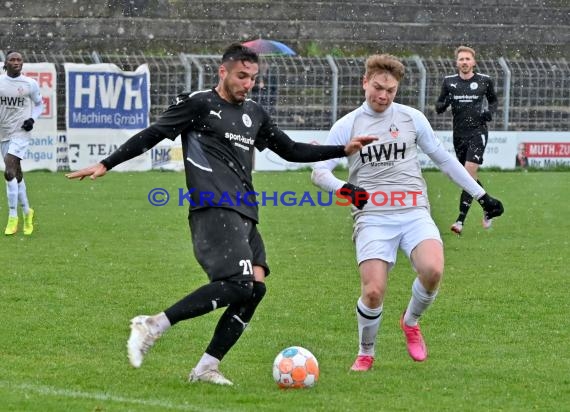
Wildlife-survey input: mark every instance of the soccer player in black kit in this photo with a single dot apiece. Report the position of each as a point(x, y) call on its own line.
point(219, 128)
point(465, 92)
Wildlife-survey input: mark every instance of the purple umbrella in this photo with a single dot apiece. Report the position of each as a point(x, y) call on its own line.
point(263, 46)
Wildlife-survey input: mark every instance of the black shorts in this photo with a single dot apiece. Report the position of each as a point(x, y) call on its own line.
point(470, 148)
point(226, 244)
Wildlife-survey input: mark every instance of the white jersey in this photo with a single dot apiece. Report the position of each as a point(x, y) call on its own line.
point(20, 99)
point(388, 168)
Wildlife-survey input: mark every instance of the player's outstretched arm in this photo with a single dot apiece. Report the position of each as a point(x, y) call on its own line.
point(293, 151)
point(135, 146)
point(93, 172)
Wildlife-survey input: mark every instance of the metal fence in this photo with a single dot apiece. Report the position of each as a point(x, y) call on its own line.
point(312, 93)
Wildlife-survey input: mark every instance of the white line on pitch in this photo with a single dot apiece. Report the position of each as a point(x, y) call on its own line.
point(99, 396)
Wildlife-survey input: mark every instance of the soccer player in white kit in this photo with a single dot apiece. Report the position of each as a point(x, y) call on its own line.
point(20, 106)
point(390, 203)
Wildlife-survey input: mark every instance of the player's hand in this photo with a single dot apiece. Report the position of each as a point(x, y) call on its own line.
point(28, 124)
point(441, 107)
point(491, 206)
point(93, 172)
point(486, 116)
point(357, 195)
point(357, 143)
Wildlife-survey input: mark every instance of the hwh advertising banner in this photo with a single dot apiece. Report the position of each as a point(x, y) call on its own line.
point(105, 106)
point(41, 151)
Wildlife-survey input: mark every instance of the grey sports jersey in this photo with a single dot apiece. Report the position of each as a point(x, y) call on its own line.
point(388, 168)
point(18, 96)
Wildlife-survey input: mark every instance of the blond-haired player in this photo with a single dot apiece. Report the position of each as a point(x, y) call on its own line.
point(391, 208)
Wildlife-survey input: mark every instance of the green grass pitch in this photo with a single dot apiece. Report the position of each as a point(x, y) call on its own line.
point(498, 333)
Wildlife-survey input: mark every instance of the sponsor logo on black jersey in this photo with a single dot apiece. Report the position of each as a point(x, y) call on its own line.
point(246, 120)
point(217, 114)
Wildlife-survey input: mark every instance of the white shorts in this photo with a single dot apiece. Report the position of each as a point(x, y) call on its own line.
point(16, 146)
point(380, 236)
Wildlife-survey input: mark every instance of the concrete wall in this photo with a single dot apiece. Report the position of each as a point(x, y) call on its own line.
point(499, 27)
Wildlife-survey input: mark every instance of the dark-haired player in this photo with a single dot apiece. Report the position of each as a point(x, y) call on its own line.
point(220, 128)
point(466, 92)
point(20, 106)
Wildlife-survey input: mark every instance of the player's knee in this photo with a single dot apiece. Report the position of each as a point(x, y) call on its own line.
point(432, 277)
point(247, 309)
point(241, 290)
point(258, 292)
point(9, 174)
point(373, 295)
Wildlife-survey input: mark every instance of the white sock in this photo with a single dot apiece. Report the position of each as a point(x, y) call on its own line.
point(12, 194)
point(23, 197)
point(368, 325)
point(158, 324)
point(420, 301)
point(206, 362)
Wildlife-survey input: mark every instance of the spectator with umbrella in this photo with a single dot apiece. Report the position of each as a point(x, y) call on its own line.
point(265, 90)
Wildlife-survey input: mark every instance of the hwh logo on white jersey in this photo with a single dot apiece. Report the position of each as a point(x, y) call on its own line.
point(374, 153)
point(12, 101)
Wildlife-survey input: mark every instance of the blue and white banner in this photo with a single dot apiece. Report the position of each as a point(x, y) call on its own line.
point(105, 107)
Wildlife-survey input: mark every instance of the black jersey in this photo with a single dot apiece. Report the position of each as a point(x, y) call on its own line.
point(218, 141)
point(466, 98)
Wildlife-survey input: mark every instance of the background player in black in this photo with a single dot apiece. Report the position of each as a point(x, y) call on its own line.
point(219, 128)
point(466, 92)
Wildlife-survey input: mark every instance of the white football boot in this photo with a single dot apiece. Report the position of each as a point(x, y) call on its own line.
point(140, 341)
point(211, 375)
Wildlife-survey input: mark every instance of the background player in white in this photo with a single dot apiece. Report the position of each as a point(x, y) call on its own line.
point(467, 92)
point(391, 208)
point(20, 106)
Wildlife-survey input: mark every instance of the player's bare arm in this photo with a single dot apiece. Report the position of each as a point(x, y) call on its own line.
point(93, 172)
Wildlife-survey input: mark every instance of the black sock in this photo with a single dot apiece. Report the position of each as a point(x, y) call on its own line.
point(233, 322)
point(464, 204)
point(208, 298)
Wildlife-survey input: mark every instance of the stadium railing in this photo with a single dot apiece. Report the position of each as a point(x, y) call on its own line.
point(312, 93)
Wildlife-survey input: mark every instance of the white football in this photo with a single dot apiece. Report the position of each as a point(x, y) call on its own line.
point(295, 367)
